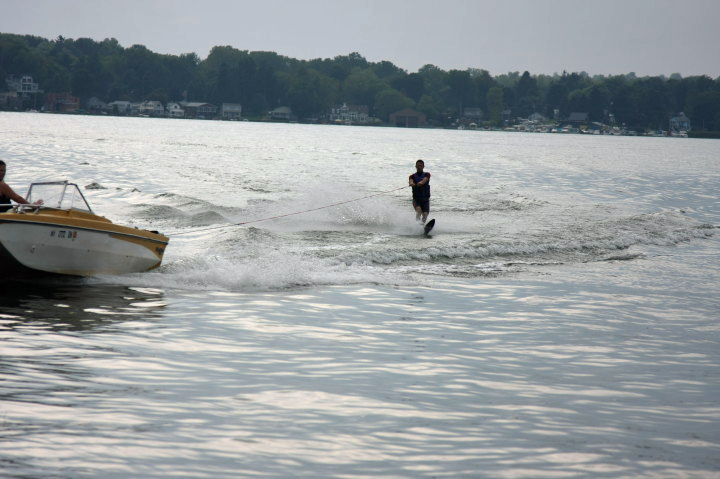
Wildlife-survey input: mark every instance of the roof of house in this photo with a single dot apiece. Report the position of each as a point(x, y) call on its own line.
point(195, 104)
point(406, 112)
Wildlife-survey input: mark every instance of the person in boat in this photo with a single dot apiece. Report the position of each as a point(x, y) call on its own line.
point(420, 183)
point(7, 193)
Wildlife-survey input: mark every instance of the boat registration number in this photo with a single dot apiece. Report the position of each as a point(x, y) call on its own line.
point(69, 234)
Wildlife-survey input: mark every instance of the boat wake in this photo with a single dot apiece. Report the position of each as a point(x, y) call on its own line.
point(316, 251)
point(281, 244)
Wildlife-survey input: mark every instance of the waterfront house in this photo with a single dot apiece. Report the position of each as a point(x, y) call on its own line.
point(281, 113)
point(23, 85)
point(96, 105)
point(200, 110)
point(10, 101)
point(151, 108)
point(119, 107)
point(680, 123)
point(578, 118)
point(506, 116)
point(174, 110)
point(473, 113)
point(231, 111)
point(349, 114)
point(408, 118)
point(537, 118)
point(62, 103)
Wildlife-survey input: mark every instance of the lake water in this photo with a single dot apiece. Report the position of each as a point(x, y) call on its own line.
point(560, 321)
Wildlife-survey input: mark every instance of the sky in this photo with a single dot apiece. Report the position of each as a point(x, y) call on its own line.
point(600, 37)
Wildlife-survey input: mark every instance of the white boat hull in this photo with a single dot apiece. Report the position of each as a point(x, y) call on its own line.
point(73, 251)
point(59, 233)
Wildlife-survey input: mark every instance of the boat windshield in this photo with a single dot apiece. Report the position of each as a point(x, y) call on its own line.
point(58, 194)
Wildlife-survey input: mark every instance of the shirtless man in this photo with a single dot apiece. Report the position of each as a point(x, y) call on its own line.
point(7, 193)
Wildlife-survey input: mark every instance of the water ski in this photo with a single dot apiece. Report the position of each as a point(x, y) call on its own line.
point(429, 226)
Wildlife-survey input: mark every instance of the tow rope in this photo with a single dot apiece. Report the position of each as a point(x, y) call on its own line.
point(285, 215)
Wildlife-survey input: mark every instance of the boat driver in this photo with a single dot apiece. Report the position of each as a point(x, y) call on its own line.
point(7, 193)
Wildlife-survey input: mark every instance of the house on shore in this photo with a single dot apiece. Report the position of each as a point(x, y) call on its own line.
point(96, 105)
point(408, 118)
point(22, 85)
point(680, 123)
point(472, 113)
point(231, 111)
point(199, 110)
point(151, 108)
point(10, 101)
point(62, 103)
point(349, 114)
point(537, 118)
point(120, 107)
point(578, 118)
point(281, 113)
point(174, 110)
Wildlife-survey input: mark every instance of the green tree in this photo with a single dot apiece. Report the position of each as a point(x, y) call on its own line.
point(263, 80)
point(462, 91)
point(434, 80)
point(89, 77)
point(527, 98)
point(347, 63)
point(483, 83)
point(310, 93)
point(526, 85)
point(431, 107)
point(559, 91)
point(703, 109)
point(594, 100)
point(387, 70)
point(361, 86)
point(411, 85)
point(495, 104)
point(654, 103)
point(390, 100)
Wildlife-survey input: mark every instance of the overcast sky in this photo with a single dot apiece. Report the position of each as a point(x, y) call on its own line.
point(648, 37)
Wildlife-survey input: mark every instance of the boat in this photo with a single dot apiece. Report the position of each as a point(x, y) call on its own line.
point(58, 232)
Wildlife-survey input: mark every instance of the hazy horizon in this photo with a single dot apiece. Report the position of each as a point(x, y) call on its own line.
point(645, 37)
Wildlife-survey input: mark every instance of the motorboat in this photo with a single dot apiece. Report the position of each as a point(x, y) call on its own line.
point(58, 232)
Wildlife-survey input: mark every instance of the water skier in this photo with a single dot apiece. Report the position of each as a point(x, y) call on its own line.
point(420, 183)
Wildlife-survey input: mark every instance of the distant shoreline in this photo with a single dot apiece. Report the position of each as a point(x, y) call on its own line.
point(662, 134)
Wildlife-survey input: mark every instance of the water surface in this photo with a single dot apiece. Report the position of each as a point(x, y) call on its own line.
point(560, 322)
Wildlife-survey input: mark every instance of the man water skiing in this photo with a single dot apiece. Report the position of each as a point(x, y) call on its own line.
point(420, 183)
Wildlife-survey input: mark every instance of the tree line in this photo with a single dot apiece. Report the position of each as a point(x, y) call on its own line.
point(261, 81)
